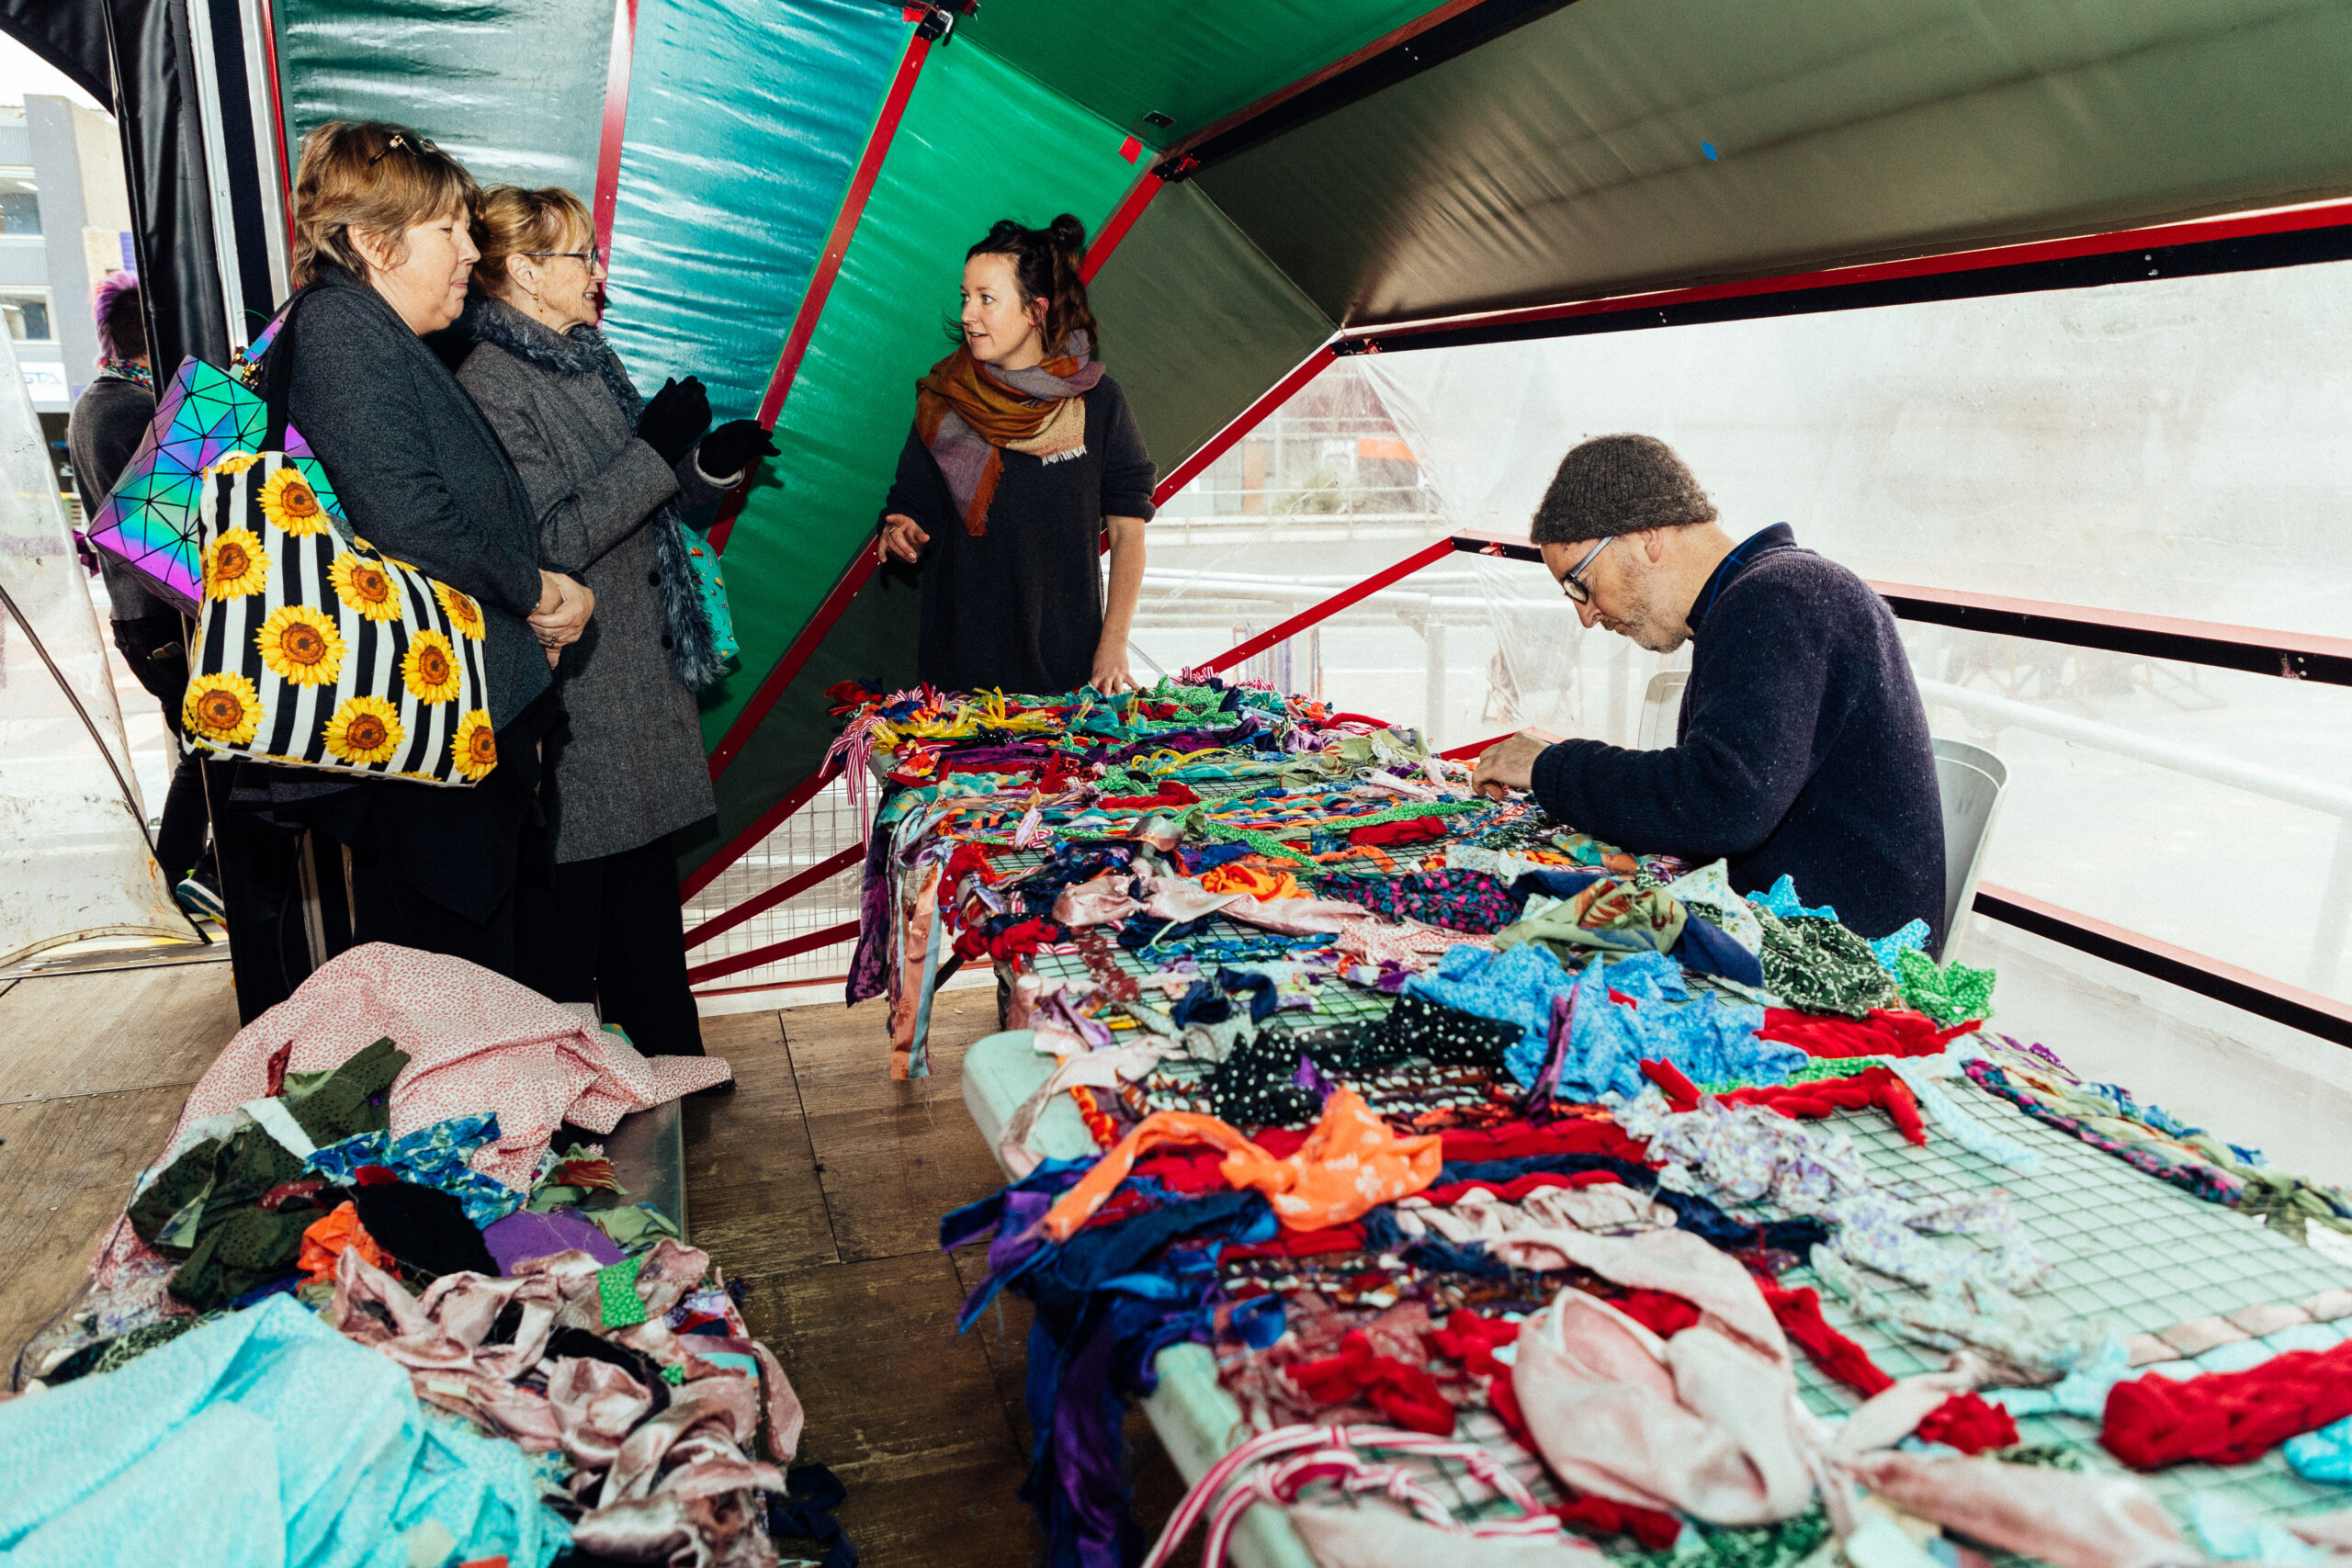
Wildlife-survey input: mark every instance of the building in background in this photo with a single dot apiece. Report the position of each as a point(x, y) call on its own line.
point(64, 224)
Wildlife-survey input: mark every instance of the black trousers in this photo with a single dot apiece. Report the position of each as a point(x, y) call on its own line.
point(611, 930)
point(436, 869)
point(155, 647)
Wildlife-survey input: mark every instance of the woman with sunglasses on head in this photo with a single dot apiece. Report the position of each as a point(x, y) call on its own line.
point(610, 478)
point(383, 249)
point(1024, 456)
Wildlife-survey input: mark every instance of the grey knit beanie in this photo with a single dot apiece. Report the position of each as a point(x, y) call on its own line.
point(1617, 484)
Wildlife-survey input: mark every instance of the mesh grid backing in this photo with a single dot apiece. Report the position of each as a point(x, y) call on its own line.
point(2130, 1253)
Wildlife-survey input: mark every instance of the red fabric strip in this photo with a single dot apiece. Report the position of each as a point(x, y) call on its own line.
point(1798, 1312)
point(1886, 1032)
point(2227, 1417)
point(1406, 1396)
point(1569, 1135)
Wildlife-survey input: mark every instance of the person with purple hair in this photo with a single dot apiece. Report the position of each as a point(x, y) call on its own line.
point(103, 431)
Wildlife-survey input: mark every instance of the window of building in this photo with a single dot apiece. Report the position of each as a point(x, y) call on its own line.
point(27, 313)
point(19, 202)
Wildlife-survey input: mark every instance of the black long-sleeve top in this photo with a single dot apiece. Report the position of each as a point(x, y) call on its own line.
point(1802, 747)
point(1020, 608)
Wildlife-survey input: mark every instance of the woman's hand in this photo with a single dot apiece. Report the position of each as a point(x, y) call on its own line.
point(565, 605)
point(1110, 669)
point(733, 447)
point(902, 536)
point(674, 419)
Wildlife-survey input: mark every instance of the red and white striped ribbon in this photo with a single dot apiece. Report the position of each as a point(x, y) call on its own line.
point(1259, 1471)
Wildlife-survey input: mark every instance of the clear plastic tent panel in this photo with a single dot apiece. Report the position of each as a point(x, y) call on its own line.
point(817, 832)
point(1327, 490)
point(2169, 447)
point(73, 861)
point(2174, 446)
point(1324, 494)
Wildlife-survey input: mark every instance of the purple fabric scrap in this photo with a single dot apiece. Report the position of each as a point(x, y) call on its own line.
point(523, 1236)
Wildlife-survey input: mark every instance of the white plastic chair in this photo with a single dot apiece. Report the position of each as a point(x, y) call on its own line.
point(1661, 708)
point(1971, 781)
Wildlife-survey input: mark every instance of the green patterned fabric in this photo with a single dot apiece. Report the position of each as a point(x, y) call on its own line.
point(1949, 995)
point(1780, 1545)
point(1814, 965)
point(616, 1292)
point(634, 1228)
point(351, 1099)
point(203, 1208)
point(107, 1355)
point(1608, 916)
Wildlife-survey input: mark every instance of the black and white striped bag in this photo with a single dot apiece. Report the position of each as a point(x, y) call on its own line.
point(316, 652)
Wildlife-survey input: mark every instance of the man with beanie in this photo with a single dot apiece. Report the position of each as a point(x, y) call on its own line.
point(1802, 747)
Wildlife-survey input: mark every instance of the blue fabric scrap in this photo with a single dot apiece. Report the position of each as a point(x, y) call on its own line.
point(1516, 987)
point(1782, 901)
point(1709, 1040)
point(2324, 1455)
point(263, 1437)
point(1912, 938)
point(431, 1156)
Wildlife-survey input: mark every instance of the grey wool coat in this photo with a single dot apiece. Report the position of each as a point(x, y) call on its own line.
point(632, 769)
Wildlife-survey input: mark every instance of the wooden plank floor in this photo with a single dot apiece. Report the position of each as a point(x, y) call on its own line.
point(93, 1071)
point(819, 1184)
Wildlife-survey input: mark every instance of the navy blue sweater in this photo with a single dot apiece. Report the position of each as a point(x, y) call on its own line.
point(1802, 747)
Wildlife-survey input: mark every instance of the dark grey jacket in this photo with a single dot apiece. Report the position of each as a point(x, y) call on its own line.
point(633, 768)
point(1802, 751)
point(103, 433)
point(419, 471)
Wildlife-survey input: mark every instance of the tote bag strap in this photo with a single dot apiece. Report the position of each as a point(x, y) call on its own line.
point(273, 354)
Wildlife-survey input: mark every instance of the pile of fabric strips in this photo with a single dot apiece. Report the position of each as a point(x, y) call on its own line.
point(364, 1293)
point(1451, 1132)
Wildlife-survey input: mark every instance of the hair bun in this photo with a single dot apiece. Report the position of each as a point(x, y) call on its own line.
point(1069, 233)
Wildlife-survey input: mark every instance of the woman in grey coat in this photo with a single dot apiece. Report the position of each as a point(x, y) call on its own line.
point(610, 478)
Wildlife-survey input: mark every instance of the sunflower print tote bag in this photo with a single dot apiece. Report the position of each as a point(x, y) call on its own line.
point(315, 651)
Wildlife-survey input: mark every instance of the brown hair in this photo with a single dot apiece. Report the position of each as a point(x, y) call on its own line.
point(512, 221)
point(1045, 264)
point(369, 175)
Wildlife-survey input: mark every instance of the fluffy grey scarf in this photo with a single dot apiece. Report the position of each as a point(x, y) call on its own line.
point(583, 352)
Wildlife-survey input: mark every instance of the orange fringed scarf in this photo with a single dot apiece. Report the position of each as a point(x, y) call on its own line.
point(967, 414)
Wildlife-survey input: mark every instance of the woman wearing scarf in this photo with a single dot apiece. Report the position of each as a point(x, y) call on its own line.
point(610, 476)
point(1023, 455)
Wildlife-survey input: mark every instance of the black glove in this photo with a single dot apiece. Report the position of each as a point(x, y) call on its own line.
point(674, 419)
point(732, 446)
